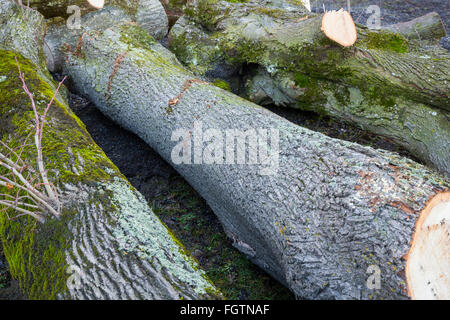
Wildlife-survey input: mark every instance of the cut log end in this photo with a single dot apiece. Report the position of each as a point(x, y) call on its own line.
point(339, 27)
point(428, 263)
point(97, 4)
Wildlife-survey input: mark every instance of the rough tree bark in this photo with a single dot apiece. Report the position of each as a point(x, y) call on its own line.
point(385, 83)
point(317, 221)
point(108, 243)
point(143, 10)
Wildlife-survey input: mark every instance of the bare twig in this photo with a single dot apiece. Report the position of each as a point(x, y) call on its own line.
point(21, 176)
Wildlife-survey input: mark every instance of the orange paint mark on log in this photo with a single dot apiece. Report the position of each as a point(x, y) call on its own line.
point(113, 73)
point(402, 206)
point(77, 51)
point(187, 84)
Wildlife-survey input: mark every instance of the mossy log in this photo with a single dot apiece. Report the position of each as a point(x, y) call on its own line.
point(149, 14)
point(426, 28)
point(385, 83)
point(59, 37)
point(108, 244)
point(317, 214)
point(58, 8)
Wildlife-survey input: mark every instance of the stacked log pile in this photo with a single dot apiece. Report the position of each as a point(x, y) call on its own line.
point(329, 219)
point(393, 84)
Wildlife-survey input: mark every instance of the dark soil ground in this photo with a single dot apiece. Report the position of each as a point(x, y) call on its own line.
point(184, 211)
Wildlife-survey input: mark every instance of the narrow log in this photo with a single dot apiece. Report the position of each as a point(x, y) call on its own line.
point(385, 83)
point(293, 40)
point(316, 213)
point(148, 11)
point(108, 243)
point(426, 28)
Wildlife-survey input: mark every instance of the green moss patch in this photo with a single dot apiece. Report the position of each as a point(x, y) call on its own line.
point(135, 36)
point(386, 40)
point(205, 13)
point(35, 252)
point(222, 84)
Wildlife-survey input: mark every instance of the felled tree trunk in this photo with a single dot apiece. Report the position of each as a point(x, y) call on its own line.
point(385, 83)
point(108, 244)
point(60, 36)
point(58, 8)
point(316, 213)
point(426, 28)
point(149, 14)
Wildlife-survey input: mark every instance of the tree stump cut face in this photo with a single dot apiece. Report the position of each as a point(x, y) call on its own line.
point(98, 4)
point(339, 27)
point(428, 263)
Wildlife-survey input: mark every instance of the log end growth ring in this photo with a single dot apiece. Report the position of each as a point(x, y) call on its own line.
point(428, 263)
point(339, 27)
point(97, 4)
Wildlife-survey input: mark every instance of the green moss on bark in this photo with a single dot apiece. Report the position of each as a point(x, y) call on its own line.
point(36, 253)
point(378, 62)
point(222, 84)
point(58, 8)
point(206, 13)
point(137, 37)
point(386, 40)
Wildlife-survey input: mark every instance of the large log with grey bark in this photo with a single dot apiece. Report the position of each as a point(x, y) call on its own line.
point(108, 244)
point(393, 84)
point(315, 212)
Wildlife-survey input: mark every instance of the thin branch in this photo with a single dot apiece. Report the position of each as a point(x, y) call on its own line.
point(25, 212)
point(33, 192)
point(22, 176)
point(17, 203)
point(49, 105)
